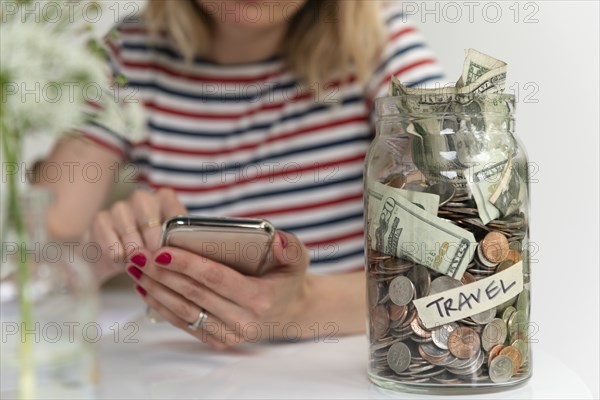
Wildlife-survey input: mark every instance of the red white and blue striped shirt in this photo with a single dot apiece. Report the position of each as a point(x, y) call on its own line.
point(247, 140)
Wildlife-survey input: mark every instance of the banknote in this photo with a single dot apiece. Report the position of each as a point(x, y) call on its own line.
point(402, 229)
point(510, 193)
point(426, 201)
point(483, 180)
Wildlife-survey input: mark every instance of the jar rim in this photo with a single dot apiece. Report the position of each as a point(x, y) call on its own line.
point(409, 104)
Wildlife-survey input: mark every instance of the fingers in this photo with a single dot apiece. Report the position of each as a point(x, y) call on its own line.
point(145, 208)
point(125, 225)
point(288, 254)
point(228, 283)
point(169, 204)
point(195, 293)
point(103, 234)
point(180, 312)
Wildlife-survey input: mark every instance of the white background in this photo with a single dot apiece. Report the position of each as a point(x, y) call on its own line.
point(557, 56)
point(552, 51)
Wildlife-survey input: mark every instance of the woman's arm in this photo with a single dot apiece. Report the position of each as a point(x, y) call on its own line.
point(333, 304)
point(87, 173)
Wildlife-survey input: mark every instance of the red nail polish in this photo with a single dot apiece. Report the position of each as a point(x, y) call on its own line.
point(163, 258)
point(135, 272)
point(283, 239)
point(141, 290)
point(139, 259)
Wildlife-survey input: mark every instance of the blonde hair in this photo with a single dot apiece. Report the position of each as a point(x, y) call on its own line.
point(325, 40)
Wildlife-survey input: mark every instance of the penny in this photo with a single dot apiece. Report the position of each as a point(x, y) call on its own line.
point(494, 352)
point(523, 348)
point(380, 322)
point(373, 292)
point(501, 369)
point(514, 256)
point(482, 259)
point(421, 279)
point(401, 290)
point(467, 278)
point(464, 342)
point(398, 357)
point(419, 329)
point(396, 181)
point(493, 334)
point(397, 312)
point(442, 284)
point(494, 247)
point(515, 356)
point(440, 335)
point(485, 316)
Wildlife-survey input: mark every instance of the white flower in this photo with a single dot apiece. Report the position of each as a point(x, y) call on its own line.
point(48, 73)
point(45, 75)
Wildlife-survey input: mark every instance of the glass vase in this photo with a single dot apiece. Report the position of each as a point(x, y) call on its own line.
point(48, 314)
point(446, 238)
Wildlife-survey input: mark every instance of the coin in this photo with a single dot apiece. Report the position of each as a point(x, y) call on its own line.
point(398, 357)
point(373, 292)
point(440, 335)
point(516, 245)
point(380, 321)
point(493, 334)
point(501, 369)
point(481, 258)
point(523, 301)
point(432, 354)
point(515, 356)
point(467, 278)
point(442, 284)
point(514, 256)
point(464, 342)
point(396, 181)
point(507, 313)
point(523, 348)
point(485, 316)
point(421, 279)
point(518, 324)
point(504, 265)
point(401, 290)
point(419, 329)
point(494, 352)
point(494, 247)
point(397, 312)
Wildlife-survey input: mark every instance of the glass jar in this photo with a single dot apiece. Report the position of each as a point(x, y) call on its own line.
point(48, 314)
point(446, 238)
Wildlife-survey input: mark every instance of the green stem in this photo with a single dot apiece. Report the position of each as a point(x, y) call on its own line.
point(26, 355)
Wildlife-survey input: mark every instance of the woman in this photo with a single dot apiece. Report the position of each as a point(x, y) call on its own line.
point(255, 109)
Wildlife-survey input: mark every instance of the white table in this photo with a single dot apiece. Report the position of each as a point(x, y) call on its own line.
point(167, 363)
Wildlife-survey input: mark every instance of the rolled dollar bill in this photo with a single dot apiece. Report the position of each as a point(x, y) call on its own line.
point(402, 229)
point(483, 179)
point(509, 195)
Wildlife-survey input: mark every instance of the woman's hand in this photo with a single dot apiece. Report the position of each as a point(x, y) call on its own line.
point(131, 228)
point(180, 285)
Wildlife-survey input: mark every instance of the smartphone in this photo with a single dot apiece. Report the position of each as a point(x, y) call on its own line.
point(241, 243)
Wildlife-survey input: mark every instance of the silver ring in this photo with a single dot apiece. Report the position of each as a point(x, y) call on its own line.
point(197, 324)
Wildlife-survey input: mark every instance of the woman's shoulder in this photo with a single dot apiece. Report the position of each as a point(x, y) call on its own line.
point(405, 53)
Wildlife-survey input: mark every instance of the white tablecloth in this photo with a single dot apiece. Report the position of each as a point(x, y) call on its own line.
point(159, 361)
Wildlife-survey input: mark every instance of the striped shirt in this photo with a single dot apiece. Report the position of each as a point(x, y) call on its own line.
point(247, 140)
